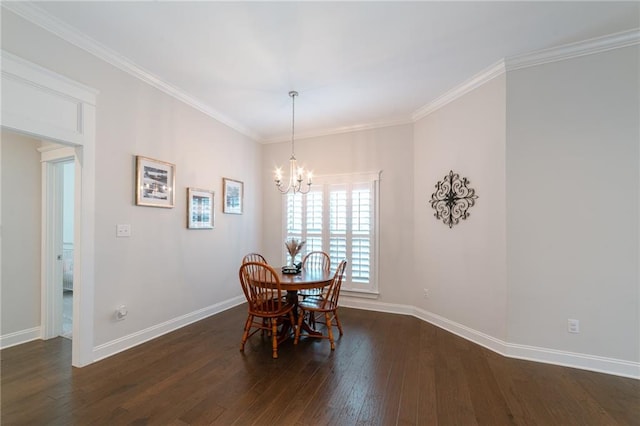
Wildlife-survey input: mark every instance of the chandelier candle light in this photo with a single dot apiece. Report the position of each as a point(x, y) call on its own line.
point(295, 173)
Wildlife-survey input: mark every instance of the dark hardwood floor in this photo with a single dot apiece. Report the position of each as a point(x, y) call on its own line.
point(386, 370)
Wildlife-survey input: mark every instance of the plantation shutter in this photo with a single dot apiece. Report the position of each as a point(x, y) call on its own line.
point(294, 221)
point(338, 216)
point(361, 232)
point(313, 234)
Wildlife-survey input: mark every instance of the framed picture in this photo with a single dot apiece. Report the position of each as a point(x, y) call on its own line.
point(155, 182)
point(233, 194)
point(200, 208)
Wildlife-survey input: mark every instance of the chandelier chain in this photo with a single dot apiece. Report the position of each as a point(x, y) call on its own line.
point(293, 95)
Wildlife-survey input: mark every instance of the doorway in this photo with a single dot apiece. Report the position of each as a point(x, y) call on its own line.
point(45, 105)
point(58, 239)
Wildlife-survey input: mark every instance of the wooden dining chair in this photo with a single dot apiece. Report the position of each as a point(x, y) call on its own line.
point(319, 260)
point(316, 259)
point(327, 305)
point(254, 257)
point(262, 288)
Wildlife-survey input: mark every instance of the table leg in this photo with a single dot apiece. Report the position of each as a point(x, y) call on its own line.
point(292, 297)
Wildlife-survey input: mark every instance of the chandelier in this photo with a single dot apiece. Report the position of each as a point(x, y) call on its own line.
point(296, 173)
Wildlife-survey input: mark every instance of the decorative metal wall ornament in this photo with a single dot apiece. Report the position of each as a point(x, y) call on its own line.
point(452, 199)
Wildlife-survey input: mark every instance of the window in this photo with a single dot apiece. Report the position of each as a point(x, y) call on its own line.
point(339, 216)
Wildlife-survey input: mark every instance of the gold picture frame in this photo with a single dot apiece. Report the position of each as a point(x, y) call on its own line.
point(155, 182)
point(233, 196)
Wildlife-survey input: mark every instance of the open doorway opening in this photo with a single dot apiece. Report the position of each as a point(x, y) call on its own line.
point(58, 239)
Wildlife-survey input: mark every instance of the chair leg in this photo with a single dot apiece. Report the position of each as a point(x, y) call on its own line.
point(245, 335)
point(298, 328)
point(327, 318)
point(274, 338)
point(292, 320)
point(335, 315)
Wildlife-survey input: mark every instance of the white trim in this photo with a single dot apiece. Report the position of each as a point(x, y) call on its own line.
point(463, 88)
point(463, 331)
point(52, 87)
point(616, 367)
point(574, 50)
point(54, 152)
point(127, 342)
point(359, 294)
point(19, 337)
point(30, 73)
point(357, 177)
point(62, 102)
point(588, 362)
point(531, 59)
point(367, 305)
point(339, 130)
point(39, 17)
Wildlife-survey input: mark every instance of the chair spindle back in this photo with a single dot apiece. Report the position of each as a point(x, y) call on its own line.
point(261, 287)
point(317, 259)
point(333, 292)
point(254, 257)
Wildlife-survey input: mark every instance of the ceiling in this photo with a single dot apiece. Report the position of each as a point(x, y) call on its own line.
point(355, 64)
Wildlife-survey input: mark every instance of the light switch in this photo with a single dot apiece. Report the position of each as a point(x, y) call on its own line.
point(123, 230)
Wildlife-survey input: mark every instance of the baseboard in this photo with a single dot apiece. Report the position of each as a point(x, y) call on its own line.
point(19, 337)
point(475, 336)
point(127, 342)
point(599, 364)
point(616, 367)
point(372, 305)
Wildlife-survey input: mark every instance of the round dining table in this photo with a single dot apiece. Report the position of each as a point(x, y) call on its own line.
point(305, 279)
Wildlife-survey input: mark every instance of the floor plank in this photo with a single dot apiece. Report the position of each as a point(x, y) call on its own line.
point(387, 369)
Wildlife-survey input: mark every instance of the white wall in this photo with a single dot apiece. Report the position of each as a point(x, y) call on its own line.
point(164, 271)
point(572, 204)
point(464, 267)
point(388, 149)
point(20, 292)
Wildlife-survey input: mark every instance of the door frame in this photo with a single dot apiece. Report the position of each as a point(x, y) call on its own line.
point(52, 159)
point(43, 104)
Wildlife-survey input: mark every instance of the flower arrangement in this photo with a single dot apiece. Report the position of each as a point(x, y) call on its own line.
point(293, 247)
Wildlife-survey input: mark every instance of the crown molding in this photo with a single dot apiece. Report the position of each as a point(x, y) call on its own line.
point(339, 130)
point(19, 69)
point(474, 82)
point(539, 57)
point(39, 17)
point(574, 50)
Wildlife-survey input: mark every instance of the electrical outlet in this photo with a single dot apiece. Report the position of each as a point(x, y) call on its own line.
point(573, 326)
point(121, 312)
point(123, 231)
point(426, 293)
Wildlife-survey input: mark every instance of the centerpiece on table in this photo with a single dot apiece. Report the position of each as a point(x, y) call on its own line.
point(293, 247)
